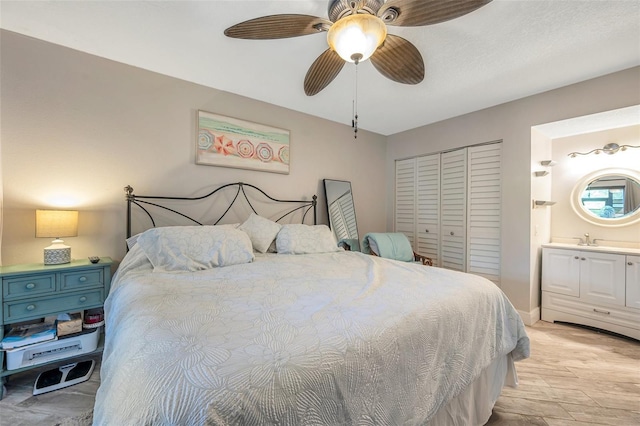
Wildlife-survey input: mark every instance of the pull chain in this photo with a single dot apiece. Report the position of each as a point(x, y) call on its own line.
point(354, 121)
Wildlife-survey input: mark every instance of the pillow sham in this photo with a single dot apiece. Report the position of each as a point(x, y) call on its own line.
point(131, 241)
point(261, 231)
point(195, 248)
point(306, 239)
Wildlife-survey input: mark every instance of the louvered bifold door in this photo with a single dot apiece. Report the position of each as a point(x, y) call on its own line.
point(484, 215)
point(428, 207)
point(405, 211)
point(453, 211)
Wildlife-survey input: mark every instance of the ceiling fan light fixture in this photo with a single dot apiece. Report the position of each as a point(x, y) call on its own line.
point(356, 37)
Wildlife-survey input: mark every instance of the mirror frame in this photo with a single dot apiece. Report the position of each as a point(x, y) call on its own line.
point(578, 208)
point(331, 226)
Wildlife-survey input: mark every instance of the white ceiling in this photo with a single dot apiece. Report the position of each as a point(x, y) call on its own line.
point(506, 50)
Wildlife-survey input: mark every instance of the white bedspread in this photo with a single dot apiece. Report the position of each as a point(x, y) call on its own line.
point(325, 339)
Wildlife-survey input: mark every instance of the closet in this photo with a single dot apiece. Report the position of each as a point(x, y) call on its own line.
point(449, 205)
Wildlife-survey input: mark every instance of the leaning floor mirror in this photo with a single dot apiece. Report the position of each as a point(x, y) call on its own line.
point(340, 209)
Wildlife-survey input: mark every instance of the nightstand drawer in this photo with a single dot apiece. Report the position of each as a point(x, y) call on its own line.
point(78, 301)
point(80, 279)
point(35, 285)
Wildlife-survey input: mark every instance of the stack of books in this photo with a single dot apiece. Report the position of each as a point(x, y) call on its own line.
point(29, 334)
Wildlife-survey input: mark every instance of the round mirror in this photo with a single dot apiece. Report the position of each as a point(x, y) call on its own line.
point(609, 197)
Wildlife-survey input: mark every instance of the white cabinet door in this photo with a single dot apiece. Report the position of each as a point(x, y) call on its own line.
point(453, 209)
point(405, 211)
point(561, 271)
point(484, 201)
point(633, 281)
point(602, 278)
point(428, 207)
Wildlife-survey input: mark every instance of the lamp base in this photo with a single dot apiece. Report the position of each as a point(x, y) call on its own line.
point(57, 256)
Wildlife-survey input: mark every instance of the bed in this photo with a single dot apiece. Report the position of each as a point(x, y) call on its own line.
point(309, 334)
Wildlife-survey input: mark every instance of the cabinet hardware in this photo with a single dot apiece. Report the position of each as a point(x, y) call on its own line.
point(630, 263)
point(83, 299)
point(31, 286)
point(82, 279)
point(31, 307)
point(583, 258)
point(577, 257)
point(451, 233)
point(601, 311)
point(426, 230)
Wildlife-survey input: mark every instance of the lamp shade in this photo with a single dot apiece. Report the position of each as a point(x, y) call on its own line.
point(56, 223)
point(356, 37)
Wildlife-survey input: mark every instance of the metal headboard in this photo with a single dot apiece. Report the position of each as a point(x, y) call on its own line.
point(138, 200)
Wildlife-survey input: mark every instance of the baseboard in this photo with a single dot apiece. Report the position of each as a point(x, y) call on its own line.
point(530, 318)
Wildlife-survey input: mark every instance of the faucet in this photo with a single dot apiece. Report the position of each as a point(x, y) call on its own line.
point(587, 241)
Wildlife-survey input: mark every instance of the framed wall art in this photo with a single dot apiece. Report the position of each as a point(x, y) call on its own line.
point(231, 142)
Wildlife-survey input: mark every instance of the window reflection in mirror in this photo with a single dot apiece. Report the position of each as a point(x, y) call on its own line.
point(608, 197)
point(341, 209)
point(611, 197)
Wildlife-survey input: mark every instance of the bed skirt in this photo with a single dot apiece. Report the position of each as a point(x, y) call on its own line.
point(475, 404)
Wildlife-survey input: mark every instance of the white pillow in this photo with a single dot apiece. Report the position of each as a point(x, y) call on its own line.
point(194, 248)
point(306, 239)
point(131, 241)
point(261, 231)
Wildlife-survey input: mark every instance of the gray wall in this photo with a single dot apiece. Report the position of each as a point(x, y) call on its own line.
point(512, 123)
point(77, 128)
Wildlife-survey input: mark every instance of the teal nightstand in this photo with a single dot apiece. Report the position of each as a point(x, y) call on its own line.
point(33, 291)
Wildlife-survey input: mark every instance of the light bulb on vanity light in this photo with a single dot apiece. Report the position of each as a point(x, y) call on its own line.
point(56, 224)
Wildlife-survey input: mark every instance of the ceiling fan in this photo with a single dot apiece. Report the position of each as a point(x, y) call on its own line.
point(357, 30)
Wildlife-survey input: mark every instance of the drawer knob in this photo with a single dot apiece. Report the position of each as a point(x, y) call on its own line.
point(31, 307)
point(577, 257)
point(426, 230)
point(83, 299)
point(451, 233)
point(82, 279)
point(600, 311)
point(30, 286)
point(584, 258)
point(630, 263)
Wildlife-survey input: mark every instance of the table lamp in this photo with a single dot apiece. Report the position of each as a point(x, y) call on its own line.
point(56, 224)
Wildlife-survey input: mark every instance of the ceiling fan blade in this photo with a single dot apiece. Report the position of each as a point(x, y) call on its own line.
point(413, 13)
point(322, 72)
point(278, 26)
point(399, 60)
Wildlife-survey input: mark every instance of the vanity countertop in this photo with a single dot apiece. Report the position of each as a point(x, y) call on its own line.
point(602, 249)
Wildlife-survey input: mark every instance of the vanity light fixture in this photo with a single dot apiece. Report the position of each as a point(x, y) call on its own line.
point(610, 149)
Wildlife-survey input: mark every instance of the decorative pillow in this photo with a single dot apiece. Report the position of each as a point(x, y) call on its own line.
point(261, 231)
point(194, 248)
point(131, 241)
point(306, 239)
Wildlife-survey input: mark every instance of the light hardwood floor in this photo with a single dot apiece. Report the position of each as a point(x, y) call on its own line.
point(575, 376)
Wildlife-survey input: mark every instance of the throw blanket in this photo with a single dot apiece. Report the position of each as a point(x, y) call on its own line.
point(353, 243)
point(390, 245)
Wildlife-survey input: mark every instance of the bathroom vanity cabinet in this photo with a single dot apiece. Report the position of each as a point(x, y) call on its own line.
point(594, 286)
